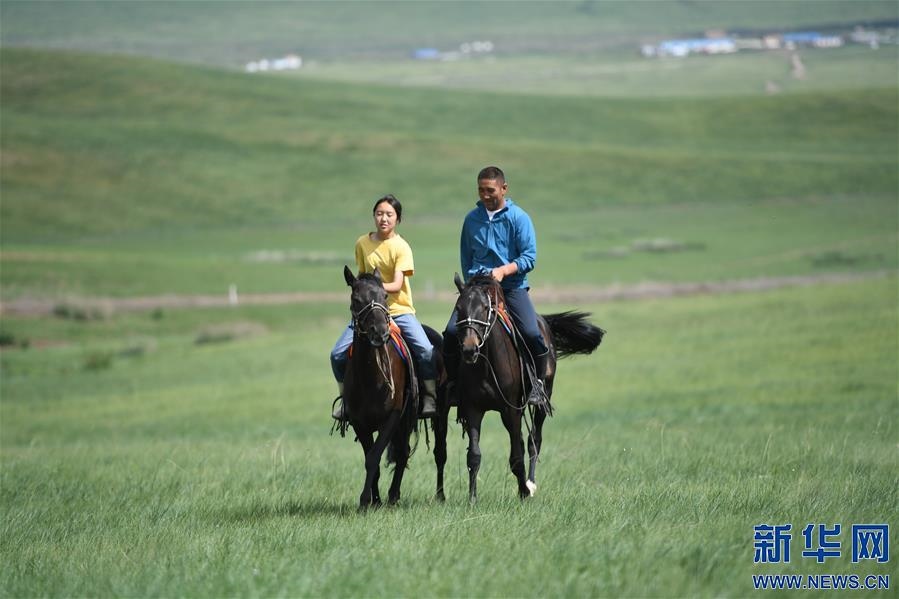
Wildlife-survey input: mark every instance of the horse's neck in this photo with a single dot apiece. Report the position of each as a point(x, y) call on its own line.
point(365, 359)
point(501, 350)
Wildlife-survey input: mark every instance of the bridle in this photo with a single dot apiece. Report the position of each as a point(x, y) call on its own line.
point(473, 324)
point(360, 317)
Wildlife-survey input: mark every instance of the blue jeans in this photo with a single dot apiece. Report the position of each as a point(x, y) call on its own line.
point(523, 314)
point(413, 333)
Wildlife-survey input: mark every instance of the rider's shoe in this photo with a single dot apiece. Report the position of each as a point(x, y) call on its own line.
point(537, 396)
point(428, 399)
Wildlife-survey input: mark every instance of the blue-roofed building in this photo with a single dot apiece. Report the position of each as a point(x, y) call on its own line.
point(680, 48)
point(812, 38)
point(426, 54)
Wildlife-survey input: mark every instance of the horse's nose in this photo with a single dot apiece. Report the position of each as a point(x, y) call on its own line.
point(470, 354)
point(379, 337)
point(375, 338)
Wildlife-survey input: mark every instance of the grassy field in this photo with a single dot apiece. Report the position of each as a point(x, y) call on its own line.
point(186, 452)
point(207, 470)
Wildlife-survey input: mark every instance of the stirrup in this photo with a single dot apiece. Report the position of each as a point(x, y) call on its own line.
point(341, 422)
point(338, 409)
point(537, 397)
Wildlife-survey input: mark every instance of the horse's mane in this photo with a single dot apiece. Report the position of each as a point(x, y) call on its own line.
point(370, 281)
point(482, 280)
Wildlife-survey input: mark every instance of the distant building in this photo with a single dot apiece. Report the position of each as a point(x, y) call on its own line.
point(426, 54)
point(717, 42)
point(812, 39)
point(681, 48)
point(466, 50)
point(291, 62)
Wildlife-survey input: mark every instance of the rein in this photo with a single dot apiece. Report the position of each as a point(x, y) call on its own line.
point(492, 316)
point(383, 363)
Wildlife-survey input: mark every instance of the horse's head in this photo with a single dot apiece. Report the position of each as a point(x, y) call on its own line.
point(476, 313)
point(368, 304)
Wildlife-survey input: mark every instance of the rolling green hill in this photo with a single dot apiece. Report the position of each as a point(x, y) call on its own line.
point(99, 145)
point(114, 165)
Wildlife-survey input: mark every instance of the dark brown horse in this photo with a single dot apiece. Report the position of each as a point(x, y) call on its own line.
point(377, 391)
point(375, 395)
point(492, 378)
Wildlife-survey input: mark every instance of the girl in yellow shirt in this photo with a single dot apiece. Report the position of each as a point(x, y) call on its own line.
point(385, 250)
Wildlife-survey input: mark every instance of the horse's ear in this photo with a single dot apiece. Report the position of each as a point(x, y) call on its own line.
point(458, 281)
point(377, 274)
point(349, 276)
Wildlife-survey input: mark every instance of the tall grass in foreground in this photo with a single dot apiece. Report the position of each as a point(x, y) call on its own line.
point(206, 470)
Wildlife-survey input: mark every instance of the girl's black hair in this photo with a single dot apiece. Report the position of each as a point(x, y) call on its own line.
point(394, 203)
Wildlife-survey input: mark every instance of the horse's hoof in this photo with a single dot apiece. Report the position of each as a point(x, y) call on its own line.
point(532, 487)
point(440, 497)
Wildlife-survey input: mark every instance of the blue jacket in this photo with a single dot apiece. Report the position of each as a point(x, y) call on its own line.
point(509, 237)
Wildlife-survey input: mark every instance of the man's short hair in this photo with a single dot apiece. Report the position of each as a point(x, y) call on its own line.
point(492, 173)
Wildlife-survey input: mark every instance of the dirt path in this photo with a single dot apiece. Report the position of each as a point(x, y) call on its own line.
point(617, 292)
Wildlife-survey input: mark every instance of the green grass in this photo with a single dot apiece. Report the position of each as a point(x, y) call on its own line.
point(207, 470)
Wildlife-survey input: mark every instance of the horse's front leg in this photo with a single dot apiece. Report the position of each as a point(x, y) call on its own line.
point(366, 439)
point(400, 460)
point(474, 418)
point(512, 422)
point(441, 421)
point(370, 494)
point(535, 442)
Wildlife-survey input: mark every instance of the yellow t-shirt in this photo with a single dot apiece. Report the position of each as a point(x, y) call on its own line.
point(388, 256)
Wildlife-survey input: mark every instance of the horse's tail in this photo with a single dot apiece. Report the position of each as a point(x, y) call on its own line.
point(573, 334)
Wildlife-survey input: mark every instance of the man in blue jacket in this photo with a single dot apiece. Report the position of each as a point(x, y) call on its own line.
point(498, 238)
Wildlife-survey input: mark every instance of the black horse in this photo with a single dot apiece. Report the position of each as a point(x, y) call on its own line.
point(378, 393)
point(492, 378)
point(375, 388)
